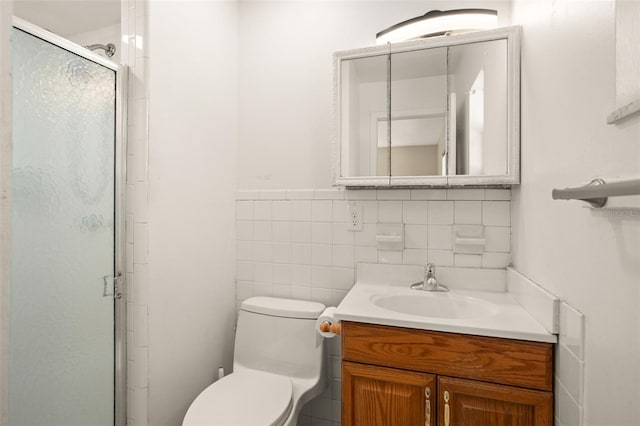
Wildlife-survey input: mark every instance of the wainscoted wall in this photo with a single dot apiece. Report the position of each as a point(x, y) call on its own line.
point(295, 243)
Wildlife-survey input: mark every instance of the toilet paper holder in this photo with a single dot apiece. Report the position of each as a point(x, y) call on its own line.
point(327, 327)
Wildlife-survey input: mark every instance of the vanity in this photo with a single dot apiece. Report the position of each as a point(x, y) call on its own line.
point(404, 376)
point(457, 358)
point(436, 112)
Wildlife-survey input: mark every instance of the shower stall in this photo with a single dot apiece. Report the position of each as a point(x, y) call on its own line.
point(67, 310)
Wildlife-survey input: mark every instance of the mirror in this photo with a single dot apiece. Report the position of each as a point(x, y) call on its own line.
point(418, 112)
point(478, 79)
point(442, 111)
point(364, 91)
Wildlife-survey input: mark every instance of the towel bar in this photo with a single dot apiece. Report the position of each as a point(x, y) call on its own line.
point(597, 191)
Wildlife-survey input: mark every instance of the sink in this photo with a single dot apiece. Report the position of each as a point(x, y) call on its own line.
point(476, 304)
point(435, 305)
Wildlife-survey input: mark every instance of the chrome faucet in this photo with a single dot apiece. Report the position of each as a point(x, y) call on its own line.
point(429, 283)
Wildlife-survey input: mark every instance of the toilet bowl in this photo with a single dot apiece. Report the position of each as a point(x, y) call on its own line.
point(279, 365)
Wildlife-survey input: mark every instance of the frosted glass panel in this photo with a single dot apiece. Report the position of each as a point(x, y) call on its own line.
point(61, 369)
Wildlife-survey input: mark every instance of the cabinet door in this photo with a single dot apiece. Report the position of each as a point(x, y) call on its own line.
point(378, 396)
point(468, 402)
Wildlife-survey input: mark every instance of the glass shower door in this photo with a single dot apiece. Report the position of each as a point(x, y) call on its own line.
point(61, 367)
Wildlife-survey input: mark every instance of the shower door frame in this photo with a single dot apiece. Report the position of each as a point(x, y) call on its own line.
point(120, 157)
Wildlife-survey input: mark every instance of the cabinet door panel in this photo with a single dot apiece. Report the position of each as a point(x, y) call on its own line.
point(485, 404)
point(378, 396)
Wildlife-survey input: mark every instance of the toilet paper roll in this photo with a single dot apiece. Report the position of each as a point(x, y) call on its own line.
point(326, 316)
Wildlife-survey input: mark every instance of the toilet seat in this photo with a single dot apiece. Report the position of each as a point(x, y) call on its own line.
point(244, 398)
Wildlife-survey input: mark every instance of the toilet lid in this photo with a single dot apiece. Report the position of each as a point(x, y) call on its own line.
point(246, 398)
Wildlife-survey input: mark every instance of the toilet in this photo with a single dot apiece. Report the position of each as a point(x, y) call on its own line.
point(278, 366)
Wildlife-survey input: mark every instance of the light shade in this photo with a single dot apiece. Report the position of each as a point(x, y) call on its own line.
point(438, 22)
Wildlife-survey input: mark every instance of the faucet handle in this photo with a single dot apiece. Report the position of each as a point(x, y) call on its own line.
point(430, 269)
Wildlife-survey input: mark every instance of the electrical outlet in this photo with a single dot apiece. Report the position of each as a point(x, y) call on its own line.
point(354, 218)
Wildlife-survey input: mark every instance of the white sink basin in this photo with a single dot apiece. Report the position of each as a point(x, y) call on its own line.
point(476, 303)
point(435, 305)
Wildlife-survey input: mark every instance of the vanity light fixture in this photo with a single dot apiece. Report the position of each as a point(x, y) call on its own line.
point(438, 22)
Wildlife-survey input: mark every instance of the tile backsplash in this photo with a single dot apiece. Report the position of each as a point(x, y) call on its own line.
point(296, 244)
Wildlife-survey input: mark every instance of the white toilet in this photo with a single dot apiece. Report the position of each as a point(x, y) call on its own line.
point(278, 366)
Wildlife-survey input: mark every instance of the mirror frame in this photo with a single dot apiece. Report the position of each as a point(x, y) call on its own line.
point(512, 35)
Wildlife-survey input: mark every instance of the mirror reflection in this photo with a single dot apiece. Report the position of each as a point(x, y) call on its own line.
point(478, 82)
point(363, 105)
point(418, 112)
point(426, 112)
point(418, 144)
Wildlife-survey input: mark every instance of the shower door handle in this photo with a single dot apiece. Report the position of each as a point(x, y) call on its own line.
point(112, 286)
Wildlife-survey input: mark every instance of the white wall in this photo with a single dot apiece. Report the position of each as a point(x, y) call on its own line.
point(589, 259)
point(6, 13)
point(627, 58)
point(191, 272)
point(286, 76)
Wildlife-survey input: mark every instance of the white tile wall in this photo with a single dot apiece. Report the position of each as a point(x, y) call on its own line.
point(393, 194)
point(273, 194)
point(557, 317)
point(321, 210)
point(496, 213)
point(414, 256)
point(441, 213)
point(414, 212)
point(415, 236)
point(467, 260)
point(428, 194)
point(541, 304)
point(301, 247)
point(468, 212)
point(572, 330)
point(390, 211)
point(262, 210)
point(570, 367)
point(466, 194)
point(134, 53)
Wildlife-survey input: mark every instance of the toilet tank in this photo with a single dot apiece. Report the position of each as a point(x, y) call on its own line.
point(279, 336)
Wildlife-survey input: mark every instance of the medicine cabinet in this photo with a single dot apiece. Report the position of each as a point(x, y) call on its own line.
point(442, 111)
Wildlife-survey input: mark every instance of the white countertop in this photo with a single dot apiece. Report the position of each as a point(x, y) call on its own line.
point(502, 316)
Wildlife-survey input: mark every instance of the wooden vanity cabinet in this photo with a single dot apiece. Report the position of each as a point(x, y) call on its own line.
point(386, 396)
point(478, 403)
point(399, 376)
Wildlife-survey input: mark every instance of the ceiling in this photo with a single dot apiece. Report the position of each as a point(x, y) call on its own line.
point(69, 17)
